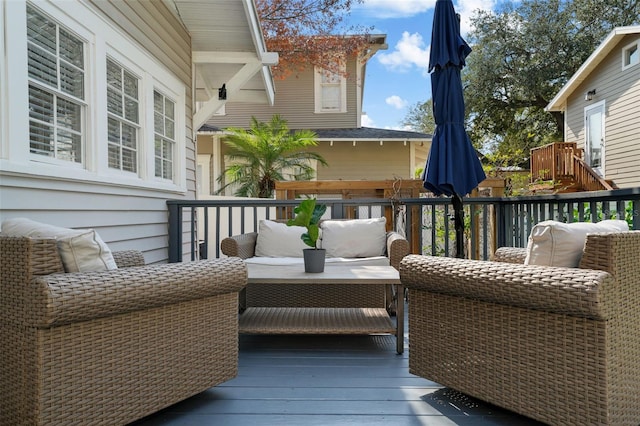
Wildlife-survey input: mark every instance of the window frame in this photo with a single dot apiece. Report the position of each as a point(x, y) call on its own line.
point(59, 94)
point(626, 64)
point(164, 137)
point(104, 39)
point(318, 92)
point(123, 120)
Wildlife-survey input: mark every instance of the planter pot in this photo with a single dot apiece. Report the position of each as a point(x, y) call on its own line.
point(314, 260)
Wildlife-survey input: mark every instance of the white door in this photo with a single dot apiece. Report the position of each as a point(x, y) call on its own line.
point(594, 137)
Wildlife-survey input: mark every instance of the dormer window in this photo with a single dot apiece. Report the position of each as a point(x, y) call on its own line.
point(330, 90)
point(630, 55)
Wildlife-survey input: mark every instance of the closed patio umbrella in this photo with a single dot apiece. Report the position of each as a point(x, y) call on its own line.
point(453, 167)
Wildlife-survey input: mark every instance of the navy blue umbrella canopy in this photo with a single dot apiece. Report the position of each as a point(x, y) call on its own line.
point(453, 167)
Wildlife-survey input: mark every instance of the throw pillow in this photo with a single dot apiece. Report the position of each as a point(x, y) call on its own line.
point(553, 243)
point(276, 239)
point(81, 250)
point(354, 238)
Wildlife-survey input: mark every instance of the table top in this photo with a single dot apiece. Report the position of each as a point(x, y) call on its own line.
point(333, 274)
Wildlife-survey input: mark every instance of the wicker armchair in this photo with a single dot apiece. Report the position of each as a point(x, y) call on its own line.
point(560, 345)
point(110, 347)
point(336, 296)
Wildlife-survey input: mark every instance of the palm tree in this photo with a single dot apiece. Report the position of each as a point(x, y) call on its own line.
point(266, 153)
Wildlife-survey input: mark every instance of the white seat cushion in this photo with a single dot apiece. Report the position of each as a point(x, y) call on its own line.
point(553, 243)
point(81, 250)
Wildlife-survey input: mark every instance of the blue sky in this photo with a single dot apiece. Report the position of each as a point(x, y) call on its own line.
point(397, 78)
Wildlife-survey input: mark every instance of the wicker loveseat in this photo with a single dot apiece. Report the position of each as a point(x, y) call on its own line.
point(393, 246)
point(113, 346)
point(558, 344)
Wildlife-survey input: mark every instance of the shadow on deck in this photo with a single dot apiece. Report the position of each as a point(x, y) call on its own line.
point(329, 380)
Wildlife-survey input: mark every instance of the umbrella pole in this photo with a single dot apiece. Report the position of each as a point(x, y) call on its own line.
point(459, 224)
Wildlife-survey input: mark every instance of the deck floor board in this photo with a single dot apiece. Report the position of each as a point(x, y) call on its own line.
point(329, 380)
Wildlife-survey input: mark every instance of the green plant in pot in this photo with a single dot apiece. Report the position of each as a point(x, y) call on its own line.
point(308, 214)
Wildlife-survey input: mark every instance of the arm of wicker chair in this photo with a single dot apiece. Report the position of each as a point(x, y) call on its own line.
point(570, 291)
point(242, 246)
point(73, 297)
point(128, 258)
point(510, 255)
point(397, 248)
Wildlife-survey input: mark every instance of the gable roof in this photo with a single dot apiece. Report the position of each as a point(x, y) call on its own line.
point(611, 41)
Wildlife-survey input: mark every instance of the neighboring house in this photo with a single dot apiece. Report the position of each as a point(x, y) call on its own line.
point(601, 105)
point(97, 115)
point(330, 105)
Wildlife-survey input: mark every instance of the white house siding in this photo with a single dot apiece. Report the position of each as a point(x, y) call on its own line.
point(128, 212)
point(295, 101)
point(620, 90)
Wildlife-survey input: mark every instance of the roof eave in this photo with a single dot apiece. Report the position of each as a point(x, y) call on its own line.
point(559, 101)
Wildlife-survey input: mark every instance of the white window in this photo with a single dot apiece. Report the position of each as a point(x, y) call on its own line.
point(56, 73)
point(84, 102)
point(330, 90)
point(164, 125)
point(630, 55)
point(123, 117)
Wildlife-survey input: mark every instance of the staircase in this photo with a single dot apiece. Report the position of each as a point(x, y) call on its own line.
point(561, 163)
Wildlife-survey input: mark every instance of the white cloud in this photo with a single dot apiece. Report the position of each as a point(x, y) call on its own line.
point(396, 8)
point(366, 121)
point(396, 101)
point(384, 9)
point(397, 128)
point(466, 8)
point(410, 51)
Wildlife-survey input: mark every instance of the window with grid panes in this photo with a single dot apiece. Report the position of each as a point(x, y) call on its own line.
point(56, 72)
point(122, 117)
point(164, 126)
point(330, 90)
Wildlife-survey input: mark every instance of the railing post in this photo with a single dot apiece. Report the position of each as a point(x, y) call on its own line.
point(175, 233)
point(337, 211)
point(501, 225)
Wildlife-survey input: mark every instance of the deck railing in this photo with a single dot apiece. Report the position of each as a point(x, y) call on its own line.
point(562, 161)
point(553, 161)
point(196, 227)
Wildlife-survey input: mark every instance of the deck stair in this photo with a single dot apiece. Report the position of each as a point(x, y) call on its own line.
point(562, 164)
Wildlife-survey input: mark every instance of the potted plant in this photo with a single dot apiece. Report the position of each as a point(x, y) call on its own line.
point(308, 214)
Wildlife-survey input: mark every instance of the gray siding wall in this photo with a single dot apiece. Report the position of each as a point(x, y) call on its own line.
point(294, 100)
point(125, 217)
point(621, 92)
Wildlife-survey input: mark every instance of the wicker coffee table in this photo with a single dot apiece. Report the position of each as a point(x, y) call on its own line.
point(289, 320)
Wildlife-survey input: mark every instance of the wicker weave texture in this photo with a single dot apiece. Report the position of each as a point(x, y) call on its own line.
point(124, 363)
point(315, 295)
point(316, 321)
point(546, 366)
point(562, 368)
point(510, 255)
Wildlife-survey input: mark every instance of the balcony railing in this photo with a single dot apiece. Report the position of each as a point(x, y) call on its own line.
point(562, 162)
point(196, 227)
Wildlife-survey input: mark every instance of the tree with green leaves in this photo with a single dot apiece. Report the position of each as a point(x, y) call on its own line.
point(420, 118)
point(523, 53)
point(266, 153)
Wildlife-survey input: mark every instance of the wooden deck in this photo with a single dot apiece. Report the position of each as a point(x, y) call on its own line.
point(329, 380)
